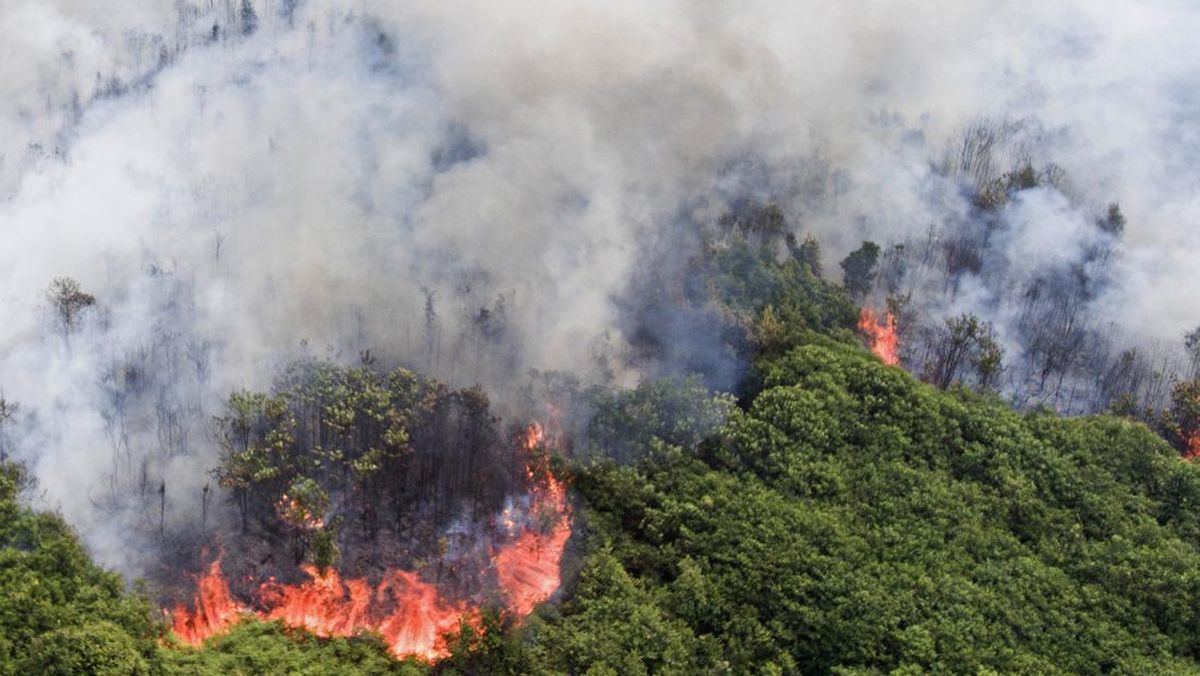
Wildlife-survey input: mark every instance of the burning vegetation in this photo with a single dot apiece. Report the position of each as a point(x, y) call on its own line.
point(210, 188)
point(881, 336)
point(528, 567)
point(394, 517)
point(341, 442)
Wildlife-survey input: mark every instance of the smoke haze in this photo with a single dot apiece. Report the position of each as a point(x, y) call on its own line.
point(475, 188)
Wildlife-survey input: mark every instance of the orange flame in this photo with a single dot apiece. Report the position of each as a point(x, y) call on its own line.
point(528, 567)
point(406, 611)
point(292, 511)
point(215, 609)
point(534, 434)
point(1193, 448)
point(882, 335)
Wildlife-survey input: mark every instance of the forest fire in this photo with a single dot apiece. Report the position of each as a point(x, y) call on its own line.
point(882, 335)
point(214, 608)
point(293, 511)
point(1192, 451)
point(528, 568)
point(409, 613)
point(406, 611)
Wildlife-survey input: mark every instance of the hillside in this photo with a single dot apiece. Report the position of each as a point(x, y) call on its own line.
point(843, 517)
point(602, 338)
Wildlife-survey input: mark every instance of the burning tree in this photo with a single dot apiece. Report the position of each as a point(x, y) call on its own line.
point(881, 336)
point(255, 436)
point(303, 508)
point(409, 610)
point(330, 441)
point(1181, 423)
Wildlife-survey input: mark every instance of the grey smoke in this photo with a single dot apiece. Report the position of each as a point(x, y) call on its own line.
point(471, 187)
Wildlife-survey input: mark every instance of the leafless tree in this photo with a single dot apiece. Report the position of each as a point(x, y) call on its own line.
point(976, 155)
point(962, 341)
point(8, 414)
point(69, 302)
point(433, 338)
point(205, 495)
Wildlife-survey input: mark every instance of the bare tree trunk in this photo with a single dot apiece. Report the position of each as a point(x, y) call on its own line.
point(162, 512)
point(204, 510)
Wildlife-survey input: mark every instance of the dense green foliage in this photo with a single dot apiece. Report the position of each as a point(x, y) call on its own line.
point(781, 299)
point(255, 648)
point(843, 518)
point(858, 269)
point(59, 613)
point(853, 518)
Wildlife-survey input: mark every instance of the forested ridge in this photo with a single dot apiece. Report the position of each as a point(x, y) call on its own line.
point(425, 337)
point(833, 515)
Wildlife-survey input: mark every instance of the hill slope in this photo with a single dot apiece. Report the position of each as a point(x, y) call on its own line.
point(843, 518)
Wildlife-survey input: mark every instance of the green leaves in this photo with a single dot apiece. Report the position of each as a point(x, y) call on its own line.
point(251, 648)
point(58, 612)
point(338, 427)
point(854, 520)
point(96, 649)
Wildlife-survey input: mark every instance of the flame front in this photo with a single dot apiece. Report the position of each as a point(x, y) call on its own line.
point(405, 610)
point(214, 608)
point(882, 335)
point(408, 612)
point(528, 567)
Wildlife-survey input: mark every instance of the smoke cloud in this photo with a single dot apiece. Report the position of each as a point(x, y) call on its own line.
point(472, 188)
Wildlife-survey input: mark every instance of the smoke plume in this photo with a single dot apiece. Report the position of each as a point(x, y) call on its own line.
point(476, 189)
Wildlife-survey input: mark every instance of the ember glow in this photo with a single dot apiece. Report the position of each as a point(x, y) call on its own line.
point(1193, 448)
point(882, 335)
point(292, 511)
point(409, 613)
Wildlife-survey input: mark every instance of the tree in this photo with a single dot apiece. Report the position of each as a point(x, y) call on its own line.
point(59, 612)
point(978, 145)
point(859, 269)
point(760, 223)
point(1191, 342)
point(963, 340)
point(68, 301)
point(323, 550)
point(249, 18)
point(287, 10)
point(1182, 424)
point(951, 349)
point(433, 334)
point(988, 361)
point(808, 252)
point(1114, 221)
point(255, 435)
point(8, 413)
point(94, 649)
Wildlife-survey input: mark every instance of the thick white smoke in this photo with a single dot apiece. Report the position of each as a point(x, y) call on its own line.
point(470, 186)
